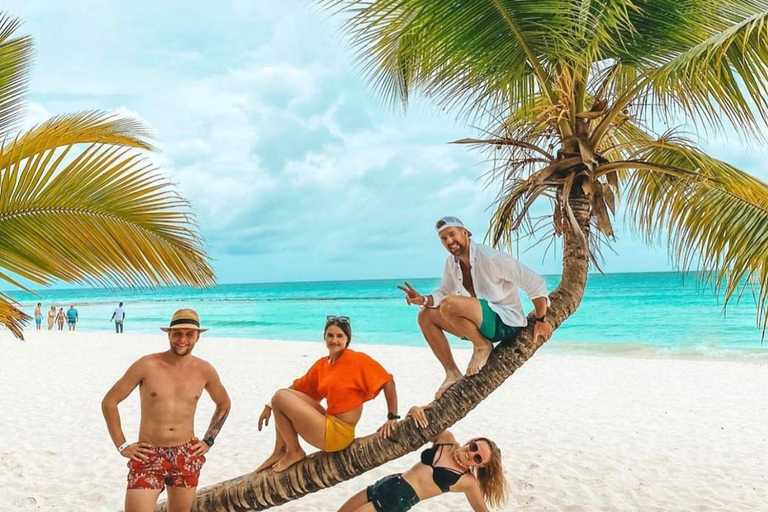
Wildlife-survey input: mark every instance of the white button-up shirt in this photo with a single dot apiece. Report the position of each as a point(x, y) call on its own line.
point(496, 276)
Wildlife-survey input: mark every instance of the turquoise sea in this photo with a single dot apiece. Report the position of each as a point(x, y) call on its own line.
point(665, 313)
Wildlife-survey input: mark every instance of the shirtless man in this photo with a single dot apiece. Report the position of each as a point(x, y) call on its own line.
point(477, 300)
point(167, 451)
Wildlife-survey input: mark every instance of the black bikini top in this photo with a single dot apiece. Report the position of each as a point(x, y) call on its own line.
point(443, 477)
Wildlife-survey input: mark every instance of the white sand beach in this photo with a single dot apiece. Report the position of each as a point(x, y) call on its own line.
point(578, 432)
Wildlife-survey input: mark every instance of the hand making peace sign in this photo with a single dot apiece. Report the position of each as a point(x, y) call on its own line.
point(412, 296)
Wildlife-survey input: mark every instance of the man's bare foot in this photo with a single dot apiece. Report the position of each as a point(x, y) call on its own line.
point(276, 456)
point(449, 381)
point(289, 459)
point(479, 358)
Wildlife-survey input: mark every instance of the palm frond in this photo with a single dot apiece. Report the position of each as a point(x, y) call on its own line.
point(724, 76)
point(659, 30)
point(600, 25)
point(89, 127)
point(107, 217)
point(12, 317)
point(716, 218)
point(15, 58)
point(470, 55)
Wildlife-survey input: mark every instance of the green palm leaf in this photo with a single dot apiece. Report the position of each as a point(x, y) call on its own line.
point(722, 75)
point(106, 217)
point(11, 316)
point(715, 219)
point(79, 128)
point(78, 203)
point(15, 56)
point(460, 53)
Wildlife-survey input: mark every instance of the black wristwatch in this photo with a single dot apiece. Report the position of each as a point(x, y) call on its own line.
point(392, 416)
point(208, 441)
point(541, 319)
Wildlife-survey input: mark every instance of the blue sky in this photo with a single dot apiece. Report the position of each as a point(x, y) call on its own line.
point(295, 169)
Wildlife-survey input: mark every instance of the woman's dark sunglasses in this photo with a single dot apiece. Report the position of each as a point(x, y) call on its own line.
point(473, 449)
point(340, 319)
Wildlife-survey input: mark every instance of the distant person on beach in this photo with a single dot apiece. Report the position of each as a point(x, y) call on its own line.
point(473, 468)
point(38, 316)
point(51, 317)
point(167, 452)
point(72, 317)
point(61, 317)
point(477, 300)
point(118, 316)
point(346, 379)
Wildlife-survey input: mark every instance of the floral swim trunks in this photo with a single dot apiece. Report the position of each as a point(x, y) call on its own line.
point(174, 466)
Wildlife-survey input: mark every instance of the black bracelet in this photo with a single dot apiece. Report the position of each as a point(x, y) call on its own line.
point(392, 416)
point(208, 440)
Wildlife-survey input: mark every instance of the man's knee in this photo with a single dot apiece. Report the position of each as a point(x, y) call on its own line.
point(449, 306)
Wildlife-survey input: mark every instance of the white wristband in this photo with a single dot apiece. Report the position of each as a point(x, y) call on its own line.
point(123, 447)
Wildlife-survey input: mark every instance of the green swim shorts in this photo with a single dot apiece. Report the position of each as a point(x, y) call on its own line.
point(492, 327)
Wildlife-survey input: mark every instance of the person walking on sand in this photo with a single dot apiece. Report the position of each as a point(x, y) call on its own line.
point(72, 317)
point(477, 300)
point(473, 469)
point(51, 317)
point(61, 317)
point(167, 452)
point(118, 316)
point(38, 316)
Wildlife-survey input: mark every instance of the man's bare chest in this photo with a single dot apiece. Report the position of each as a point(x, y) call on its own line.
point(466, 279)
point(169, 387)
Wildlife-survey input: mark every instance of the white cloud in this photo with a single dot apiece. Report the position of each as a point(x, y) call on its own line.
point(268, 129)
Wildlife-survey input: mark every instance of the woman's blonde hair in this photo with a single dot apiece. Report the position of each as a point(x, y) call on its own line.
point(490, 476)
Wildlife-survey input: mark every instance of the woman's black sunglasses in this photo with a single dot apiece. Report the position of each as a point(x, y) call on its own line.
point(473, 449)
point(340, 319)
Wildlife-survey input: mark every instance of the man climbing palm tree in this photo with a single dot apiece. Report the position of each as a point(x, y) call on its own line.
point(477, 300)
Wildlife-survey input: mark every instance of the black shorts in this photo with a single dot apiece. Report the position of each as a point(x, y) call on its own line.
point(392, 494)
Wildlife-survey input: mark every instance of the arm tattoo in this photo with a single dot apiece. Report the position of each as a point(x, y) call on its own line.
point(219, 417)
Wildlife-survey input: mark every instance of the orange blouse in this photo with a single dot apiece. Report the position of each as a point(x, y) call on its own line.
point(346, 383)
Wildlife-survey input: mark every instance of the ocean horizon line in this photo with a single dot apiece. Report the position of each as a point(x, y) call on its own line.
point(272, 283)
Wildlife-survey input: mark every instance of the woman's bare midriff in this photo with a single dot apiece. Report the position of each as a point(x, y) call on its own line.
point(352, 416)
point(420, 478)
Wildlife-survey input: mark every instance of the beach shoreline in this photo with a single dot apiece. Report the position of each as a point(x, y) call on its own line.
point(578, 431)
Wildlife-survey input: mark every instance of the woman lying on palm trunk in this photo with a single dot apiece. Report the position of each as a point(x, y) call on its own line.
point(473, 468)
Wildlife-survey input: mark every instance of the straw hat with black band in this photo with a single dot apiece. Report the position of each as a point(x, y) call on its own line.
point(184, 319)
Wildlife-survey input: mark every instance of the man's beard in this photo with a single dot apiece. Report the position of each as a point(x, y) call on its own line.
point(181, 351)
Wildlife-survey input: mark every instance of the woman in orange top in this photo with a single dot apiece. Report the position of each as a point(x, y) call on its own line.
point(346, 379)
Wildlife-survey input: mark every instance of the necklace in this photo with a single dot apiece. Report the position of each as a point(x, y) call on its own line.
point(459, 462)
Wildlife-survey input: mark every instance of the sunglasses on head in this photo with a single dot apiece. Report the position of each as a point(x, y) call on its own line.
point(472, 447)
point(340, 319)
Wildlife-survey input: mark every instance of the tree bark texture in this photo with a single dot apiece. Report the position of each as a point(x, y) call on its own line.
point(260, 491)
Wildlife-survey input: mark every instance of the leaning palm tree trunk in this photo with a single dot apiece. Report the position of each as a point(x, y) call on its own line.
point(260, 491)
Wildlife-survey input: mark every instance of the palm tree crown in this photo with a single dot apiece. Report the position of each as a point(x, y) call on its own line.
point(578, 90)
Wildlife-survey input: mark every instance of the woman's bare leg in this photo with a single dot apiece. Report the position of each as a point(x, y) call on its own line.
point(295, 417)
point(358, 503)
point(277, 453)
point(279, 450)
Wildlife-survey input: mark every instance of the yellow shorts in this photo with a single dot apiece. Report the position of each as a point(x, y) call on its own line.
point(338, 434)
